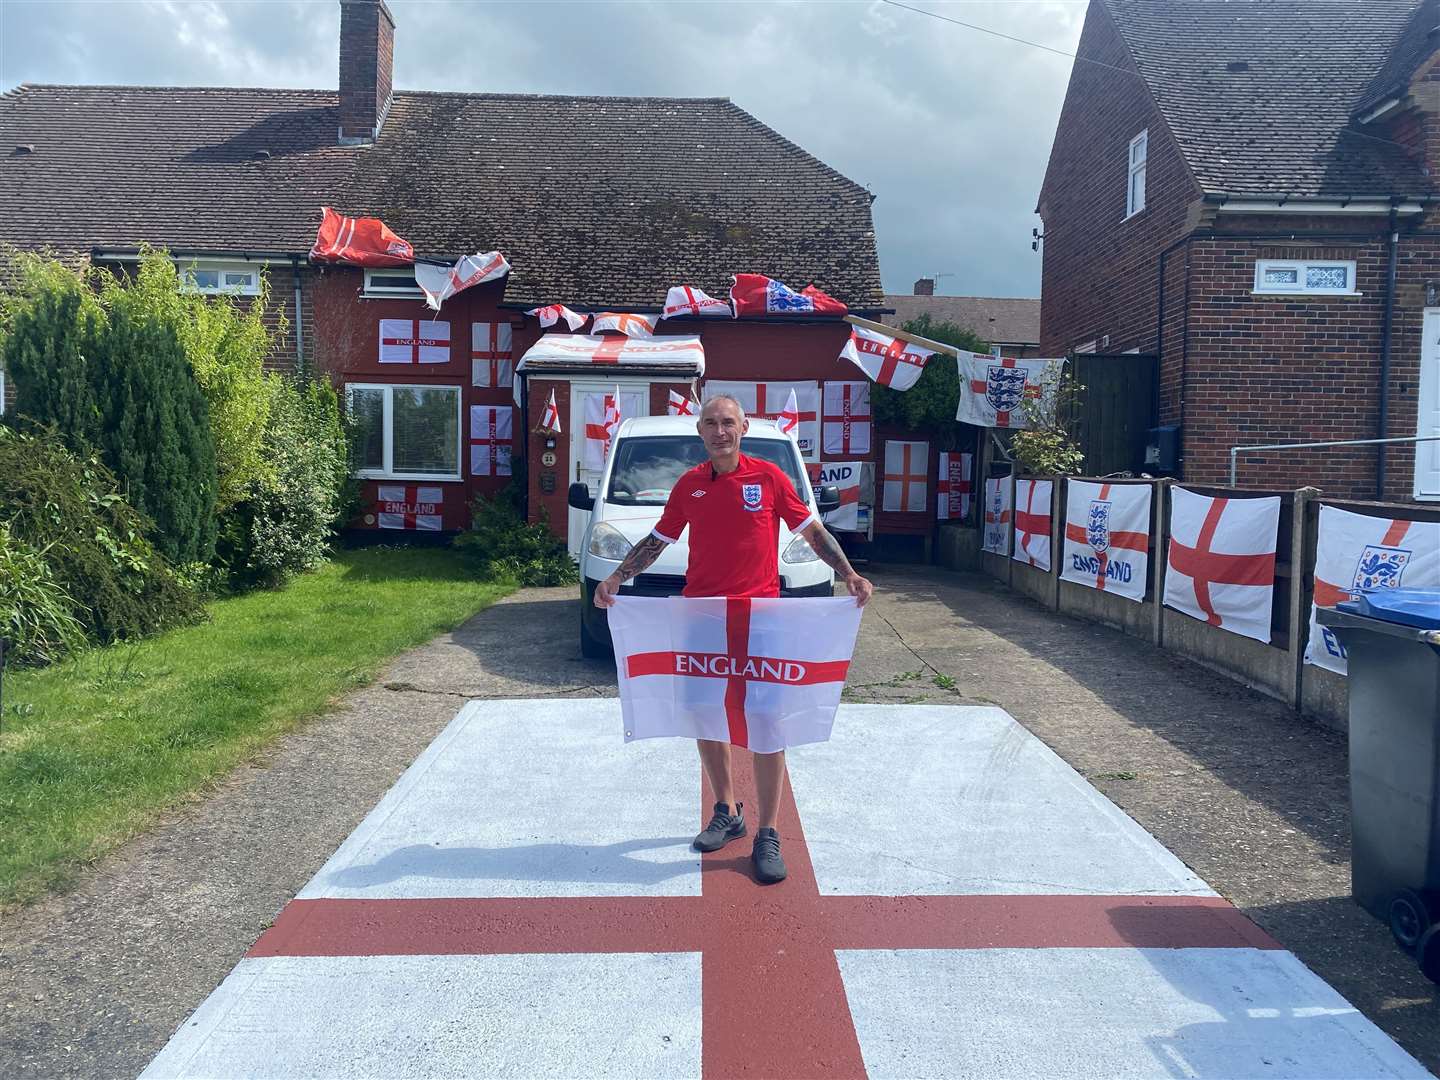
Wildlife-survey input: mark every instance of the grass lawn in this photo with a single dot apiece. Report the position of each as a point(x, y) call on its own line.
point(93, 749)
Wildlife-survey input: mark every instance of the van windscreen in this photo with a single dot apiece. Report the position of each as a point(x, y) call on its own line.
point(646, 467)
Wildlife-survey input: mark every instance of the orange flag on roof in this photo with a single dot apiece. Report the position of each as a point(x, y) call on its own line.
point(359, 241)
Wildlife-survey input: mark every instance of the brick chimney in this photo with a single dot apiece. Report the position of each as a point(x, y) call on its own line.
point(925, 287)
point(367, 56)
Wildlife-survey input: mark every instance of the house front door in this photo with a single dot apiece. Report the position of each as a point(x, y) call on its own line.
point(634, 401)
point(1427, 454)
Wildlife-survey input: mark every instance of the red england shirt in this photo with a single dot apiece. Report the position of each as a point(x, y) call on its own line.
point(734, 521)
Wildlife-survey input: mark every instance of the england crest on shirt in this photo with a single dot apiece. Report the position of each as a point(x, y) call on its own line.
point(1004, 387)
point(750, 495)
point(1097, 525)
point(1380, 568)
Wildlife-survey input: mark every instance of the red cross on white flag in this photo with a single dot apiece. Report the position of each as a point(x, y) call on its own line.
point(414, 341)
point(602, 419)
point(551, 420)
point(847, 418)
point(907, 465)
point(995, 537)
point(789, 419)
point(761, 673)
point(439, 283)
point(992, 389)
point(1221, 560)
point(405, 506)
point(1107, 537)
point(492, 361)
point(550, 314)
point(492, 433)
point(680, 405)
point(623, 323)
point(844, 475)
point(766, 401)
point(953, 491)
point(1032, 522)
point(888, 361)
point(686, 300)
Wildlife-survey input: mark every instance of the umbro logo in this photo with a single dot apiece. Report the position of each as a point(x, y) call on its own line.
point(697, 493)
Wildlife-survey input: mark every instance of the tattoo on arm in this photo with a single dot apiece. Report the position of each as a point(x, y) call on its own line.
point(641, 555)
point(828, 548)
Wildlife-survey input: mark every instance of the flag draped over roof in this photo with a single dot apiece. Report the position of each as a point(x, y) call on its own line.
point(623, 322)
point(550, 314)
point(586, 349)
point(756, 294)
point(359, 241)
point(439, 283)
point(688, 300)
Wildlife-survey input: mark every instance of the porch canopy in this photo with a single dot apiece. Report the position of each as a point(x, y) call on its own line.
point(612, 354)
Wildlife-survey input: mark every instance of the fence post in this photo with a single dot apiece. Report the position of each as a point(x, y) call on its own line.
point(1057, 538)
point(1303, 537)
point(1159, 517)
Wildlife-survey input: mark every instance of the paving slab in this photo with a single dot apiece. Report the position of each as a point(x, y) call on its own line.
point(488, 918)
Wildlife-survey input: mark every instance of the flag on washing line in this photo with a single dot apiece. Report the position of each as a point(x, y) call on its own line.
point(993, 390)
point(1357, 553)
point(888, 360)
point(550, 314)
point(907, 466)
point(756, 294)
point(359, 241)
point(492, 362)
point(754, 672)
point(439, 282)
point(414, 341)
point(406, 506)
point(1107, 537)
point(602, 420)
point(551, 420)
point(1220, 565)
point(847, 418)
point(624, 323)
point(680, 405)
point(687, 300)
point(1032, 522)
point(846, 476)
point(954, 488)
point(492, 433)
point(999, 493)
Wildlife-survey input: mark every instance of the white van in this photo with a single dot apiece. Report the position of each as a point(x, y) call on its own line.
point(649, 455)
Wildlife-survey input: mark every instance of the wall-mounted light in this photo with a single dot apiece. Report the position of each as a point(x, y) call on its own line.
point(549, 443)
point(1432, 294)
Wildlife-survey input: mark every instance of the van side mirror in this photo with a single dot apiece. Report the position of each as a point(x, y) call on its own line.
point(580, 497)
point(828, 499)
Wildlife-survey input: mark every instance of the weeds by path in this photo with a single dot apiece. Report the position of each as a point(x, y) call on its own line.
point(94, 749)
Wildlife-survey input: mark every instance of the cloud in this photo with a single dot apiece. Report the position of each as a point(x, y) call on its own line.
point(950, 128)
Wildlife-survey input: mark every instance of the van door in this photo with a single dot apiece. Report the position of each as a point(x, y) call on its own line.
point(1427, 454)
point(634, 401)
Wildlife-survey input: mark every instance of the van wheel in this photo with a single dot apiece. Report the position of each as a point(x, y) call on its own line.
point(591, 647)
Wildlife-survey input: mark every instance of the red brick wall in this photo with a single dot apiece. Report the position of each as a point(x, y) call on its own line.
point(367, 45)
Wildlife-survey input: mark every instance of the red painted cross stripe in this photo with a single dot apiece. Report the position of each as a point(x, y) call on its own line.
point(1205, 567)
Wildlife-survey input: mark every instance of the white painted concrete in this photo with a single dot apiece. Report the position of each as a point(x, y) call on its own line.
point(996, 1014)
point(529, 798)
point(620, 1015)
point(948, 800)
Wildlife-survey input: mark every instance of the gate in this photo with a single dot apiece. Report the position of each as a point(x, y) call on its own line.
point(1112, 418)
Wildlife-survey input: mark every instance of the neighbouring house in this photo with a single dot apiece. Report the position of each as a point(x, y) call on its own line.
point(1013, 323)
point(599, 203)
point(1247, 190)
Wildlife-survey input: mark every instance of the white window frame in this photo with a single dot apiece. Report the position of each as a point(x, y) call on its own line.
point(388, 423)
point(221, 267)
point(1300, 266)
point(1139, 152)
point(375, 286)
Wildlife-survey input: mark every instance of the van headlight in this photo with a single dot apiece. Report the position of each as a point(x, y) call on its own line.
point(608, 542)
point(799, 551)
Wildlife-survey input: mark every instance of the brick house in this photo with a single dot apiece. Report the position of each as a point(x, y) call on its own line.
point(1229, 188)
point(1011, 322)
point(598, 203)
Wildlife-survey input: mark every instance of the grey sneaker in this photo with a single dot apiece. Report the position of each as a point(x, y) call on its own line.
point(723, 827)
point(769, 866)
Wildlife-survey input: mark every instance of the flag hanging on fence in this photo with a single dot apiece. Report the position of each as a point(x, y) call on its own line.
point(756, 294)
point(1033, 499)
point(414, 341)
point(405, 506)
point(492, 431)
point(766, 401)
point(952, 493)
point(993, 390)
point(439, 283)
point(360, 241)
point(759, 673)
point(1357, 553)
point(492, 361)
point(550, 314)
point(888, 360)
point(995, 538)
point(551, 420)
point(680, 405)
point(907, 467)
point(847, 418)
point(623, 322)
point(1107, 537)
point(1220, 564)
point(687, 300)
point(602, 419)
point(844, 475)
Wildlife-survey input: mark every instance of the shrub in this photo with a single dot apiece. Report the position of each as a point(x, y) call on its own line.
point(1045, 446)
point(929, 406)
point(503, 546)
point(93, 542)
point(284, 523)
point(35, 612)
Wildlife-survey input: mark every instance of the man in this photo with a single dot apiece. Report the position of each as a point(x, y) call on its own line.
point(733, 505)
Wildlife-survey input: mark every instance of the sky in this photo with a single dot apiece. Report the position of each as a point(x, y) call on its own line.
point(949, 127)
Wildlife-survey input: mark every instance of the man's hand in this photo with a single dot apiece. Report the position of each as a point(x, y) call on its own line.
point(605, 591)
point(860, 588)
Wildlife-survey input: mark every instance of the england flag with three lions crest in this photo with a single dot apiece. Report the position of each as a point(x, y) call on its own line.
point(754, 672)
point(993, 390)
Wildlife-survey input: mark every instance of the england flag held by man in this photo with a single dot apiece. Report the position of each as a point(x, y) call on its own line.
point(733, 505)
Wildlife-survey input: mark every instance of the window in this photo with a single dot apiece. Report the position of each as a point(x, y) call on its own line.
point(391, 283)
point(213, 278)
point(1322, 277)
point(1135, 187)
point(405, 432)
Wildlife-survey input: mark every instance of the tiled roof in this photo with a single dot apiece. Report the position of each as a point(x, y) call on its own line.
point(997, 320)
point(1418, 42)
point(595, 201)
point(1259, 93)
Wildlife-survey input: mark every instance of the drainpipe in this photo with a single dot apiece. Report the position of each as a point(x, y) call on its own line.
point(1386, 321)
point(299, 320)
